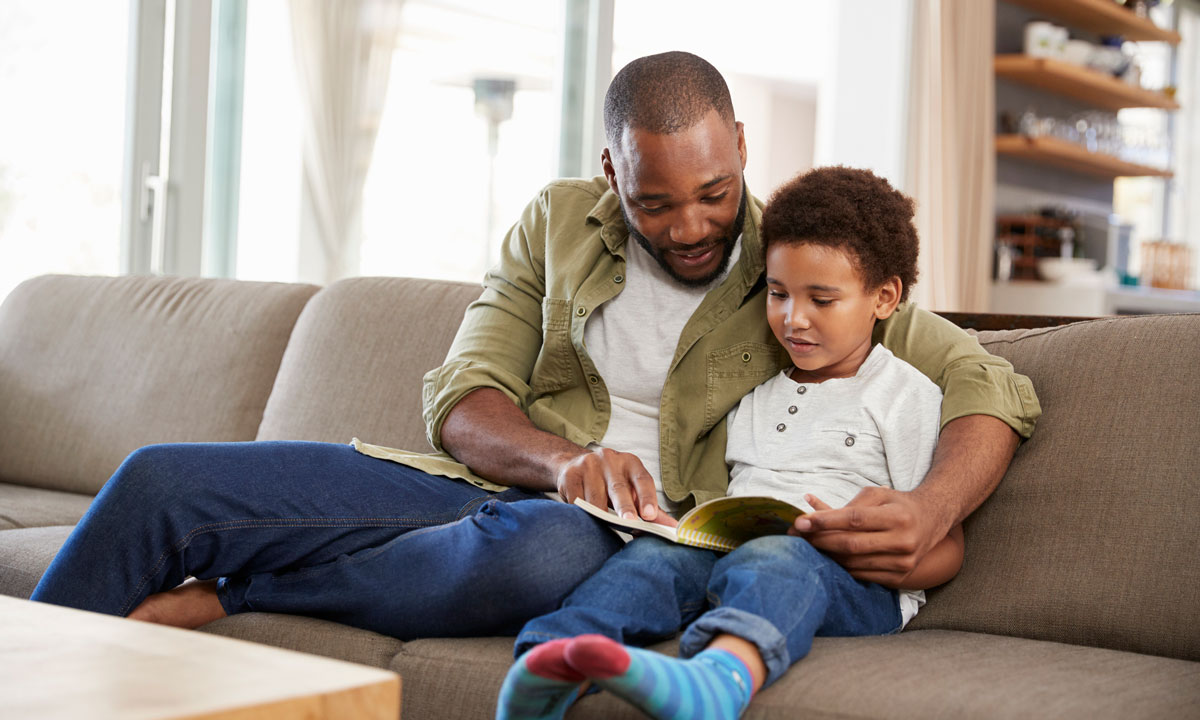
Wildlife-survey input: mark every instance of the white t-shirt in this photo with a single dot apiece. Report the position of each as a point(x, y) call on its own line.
point(632, 339)
point(832, 439)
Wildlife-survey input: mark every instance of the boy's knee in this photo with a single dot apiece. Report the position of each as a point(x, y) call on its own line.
point(771, 549)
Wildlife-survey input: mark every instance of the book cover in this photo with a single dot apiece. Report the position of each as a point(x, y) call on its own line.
point(721, 524)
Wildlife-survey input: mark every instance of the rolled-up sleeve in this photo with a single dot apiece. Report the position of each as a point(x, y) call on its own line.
point(501, 333)
point(973, 381)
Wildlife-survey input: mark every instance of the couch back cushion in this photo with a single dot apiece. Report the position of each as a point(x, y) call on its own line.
point(1091, 537)
point(92, 368)
point(354, 365)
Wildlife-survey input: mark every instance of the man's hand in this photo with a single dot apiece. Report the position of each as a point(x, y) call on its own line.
point(879, 536)
point(603, 475)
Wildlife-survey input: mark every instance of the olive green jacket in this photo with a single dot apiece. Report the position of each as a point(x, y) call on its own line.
point(565, 257)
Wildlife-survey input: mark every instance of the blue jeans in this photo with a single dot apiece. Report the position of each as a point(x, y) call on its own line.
point(776, 592)
point(321, 530)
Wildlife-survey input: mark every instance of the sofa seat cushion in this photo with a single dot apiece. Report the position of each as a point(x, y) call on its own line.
point(917, 674)
point(26, 507)
point(25, 553)
point(310, 635)
point(354, 364)
point(92, 368)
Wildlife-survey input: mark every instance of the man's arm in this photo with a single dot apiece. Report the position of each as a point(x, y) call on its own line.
point(882, 534)
point(489, 434)
point(474, 404)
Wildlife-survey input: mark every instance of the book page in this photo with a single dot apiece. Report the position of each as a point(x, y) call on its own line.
point(608, 516)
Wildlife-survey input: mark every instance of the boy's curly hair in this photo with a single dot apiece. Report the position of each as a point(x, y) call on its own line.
point(852, 209)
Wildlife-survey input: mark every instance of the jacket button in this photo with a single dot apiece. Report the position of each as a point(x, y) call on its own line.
point(801, 390)
point(619, 279)
point(850, 441)
point(580, 311)
point(781, 427)
point(792, 410)
point(745, 357)
point(593, 379)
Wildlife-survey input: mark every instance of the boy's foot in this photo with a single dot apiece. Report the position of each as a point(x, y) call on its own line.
point(713, 685)
point(540, 685)
point(189, 605)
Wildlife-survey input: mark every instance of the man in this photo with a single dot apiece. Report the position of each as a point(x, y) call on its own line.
point(590, 366)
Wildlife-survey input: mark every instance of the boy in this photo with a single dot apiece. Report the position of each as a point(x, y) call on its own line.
point(841, 253)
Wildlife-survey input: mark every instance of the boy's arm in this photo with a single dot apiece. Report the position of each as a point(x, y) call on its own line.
point(939, 565)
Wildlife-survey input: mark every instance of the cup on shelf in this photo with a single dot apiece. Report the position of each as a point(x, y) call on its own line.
point(1042, 39)
point(1078, 52)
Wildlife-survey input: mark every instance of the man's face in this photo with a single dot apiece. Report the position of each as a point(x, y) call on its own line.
point(682, 195)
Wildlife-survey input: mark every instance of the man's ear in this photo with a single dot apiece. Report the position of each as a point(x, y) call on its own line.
point(887, 297)
point(741, 142)
point(610, 173)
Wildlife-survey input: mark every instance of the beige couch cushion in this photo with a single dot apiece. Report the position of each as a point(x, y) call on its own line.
point(310, 635)
point(353, 367)
point(927, 674)
point(25, 553)
point(92, 368)
point(26, 507)
point(1091, 537)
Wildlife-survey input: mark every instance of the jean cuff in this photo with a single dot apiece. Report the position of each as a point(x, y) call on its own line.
point(229, 604)
point(771, 643)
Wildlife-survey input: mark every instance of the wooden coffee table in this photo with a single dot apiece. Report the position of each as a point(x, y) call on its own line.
point(62, 663)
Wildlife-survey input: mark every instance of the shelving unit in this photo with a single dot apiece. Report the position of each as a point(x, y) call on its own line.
point(1103, 17)
point(1067, 89)
point(1093, 87)
point(1072, 156)
point(1031, 237)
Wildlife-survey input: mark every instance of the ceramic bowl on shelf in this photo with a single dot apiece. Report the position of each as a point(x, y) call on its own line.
point(1056, 269)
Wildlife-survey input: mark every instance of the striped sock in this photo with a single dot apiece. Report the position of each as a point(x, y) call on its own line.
point(713, 685)
point(540, 685)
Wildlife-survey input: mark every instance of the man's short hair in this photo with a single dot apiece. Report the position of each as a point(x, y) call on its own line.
point(851, 209)
point(664, 94)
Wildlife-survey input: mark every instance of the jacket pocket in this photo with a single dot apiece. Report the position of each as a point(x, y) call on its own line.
point(554, 368)
point(732, 372)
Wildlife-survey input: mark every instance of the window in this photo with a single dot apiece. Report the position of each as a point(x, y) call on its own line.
point(63, 85)
point(447, 179)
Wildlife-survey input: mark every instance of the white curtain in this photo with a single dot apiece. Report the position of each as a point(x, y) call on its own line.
point(343, 55)
point(951, 155)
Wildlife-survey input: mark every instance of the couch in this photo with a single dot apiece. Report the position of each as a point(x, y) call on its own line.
point(1079, 596)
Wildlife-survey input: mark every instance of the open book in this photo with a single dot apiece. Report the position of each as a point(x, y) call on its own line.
point(720, 524)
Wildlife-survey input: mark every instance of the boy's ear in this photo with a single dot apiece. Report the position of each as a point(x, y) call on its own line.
point(887, 297)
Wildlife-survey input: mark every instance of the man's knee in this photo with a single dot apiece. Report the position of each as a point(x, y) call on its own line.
point(557, 542)
point(546, 527)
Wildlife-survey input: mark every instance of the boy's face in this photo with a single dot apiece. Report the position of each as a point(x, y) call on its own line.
point(819, 310)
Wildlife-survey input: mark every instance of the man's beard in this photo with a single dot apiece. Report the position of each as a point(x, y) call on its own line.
point(726, 244)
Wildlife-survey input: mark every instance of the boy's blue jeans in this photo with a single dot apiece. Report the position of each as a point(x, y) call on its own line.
point(321, 530)
point(776, 592)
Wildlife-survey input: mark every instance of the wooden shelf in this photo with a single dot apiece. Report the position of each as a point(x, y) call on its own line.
point(1091, 86)
point(1104, 17)
point(1060, 153)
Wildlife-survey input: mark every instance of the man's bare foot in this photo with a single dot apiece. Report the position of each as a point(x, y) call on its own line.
point(190, 605)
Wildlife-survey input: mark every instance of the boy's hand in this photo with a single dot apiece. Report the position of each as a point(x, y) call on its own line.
point(603, 475)
point(879, 536)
